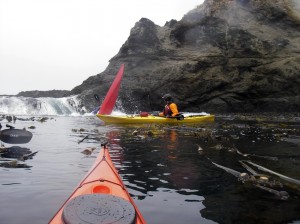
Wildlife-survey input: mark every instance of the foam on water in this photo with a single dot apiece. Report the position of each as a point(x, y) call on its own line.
point(13, 105)
point(65, 106)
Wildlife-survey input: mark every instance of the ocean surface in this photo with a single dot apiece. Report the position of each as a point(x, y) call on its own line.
point(176, 174)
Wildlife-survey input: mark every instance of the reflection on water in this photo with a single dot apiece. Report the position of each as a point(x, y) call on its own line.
point(171, 180)
point(169, 161)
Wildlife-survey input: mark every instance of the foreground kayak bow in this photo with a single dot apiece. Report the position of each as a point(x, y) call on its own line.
point(100, 198)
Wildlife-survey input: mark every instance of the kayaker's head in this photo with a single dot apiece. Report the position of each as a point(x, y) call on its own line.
point(167, 97)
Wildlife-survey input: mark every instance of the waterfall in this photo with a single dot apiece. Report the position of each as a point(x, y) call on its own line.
point(14, 105)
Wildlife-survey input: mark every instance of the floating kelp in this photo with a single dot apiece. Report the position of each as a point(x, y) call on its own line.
point(43, 119)
point(253, 172)
point(85, 137)
point(282, 195)
point(3, 149)
point(88, 151)
point(228, 170)
point(286, 178)
point(13, 164)
point(256, 180)
point(293, 139)
point(16, 152)
point(28, 156)
point(257, 156)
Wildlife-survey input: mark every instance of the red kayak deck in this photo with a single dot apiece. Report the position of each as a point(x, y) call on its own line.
point(101, 186)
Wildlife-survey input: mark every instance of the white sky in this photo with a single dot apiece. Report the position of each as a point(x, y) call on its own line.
point(57, 44)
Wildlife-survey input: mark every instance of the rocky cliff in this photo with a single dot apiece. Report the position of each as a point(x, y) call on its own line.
point(50, 93)
point(223, 56)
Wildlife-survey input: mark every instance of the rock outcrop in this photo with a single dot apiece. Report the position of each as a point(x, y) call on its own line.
point(223, 56)
point(50, 93)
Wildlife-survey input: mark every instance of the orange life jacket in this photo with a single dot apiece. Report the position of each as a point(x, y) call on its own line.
point(170, 109)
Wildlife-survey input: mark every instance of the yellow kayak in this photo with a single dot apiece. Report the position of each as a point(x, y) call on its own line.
point(137, 119)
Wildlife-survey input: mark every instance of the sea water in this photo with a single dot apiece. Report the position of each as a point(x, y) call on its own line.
point(167, 169)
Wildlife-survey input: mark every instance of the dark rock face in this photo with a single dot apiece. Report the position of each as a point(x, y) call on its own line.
point(50, 93)
point(223, 56)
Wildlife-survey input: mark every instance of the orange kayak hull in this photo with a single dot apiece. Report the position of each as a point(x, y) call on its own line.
point(102, 179)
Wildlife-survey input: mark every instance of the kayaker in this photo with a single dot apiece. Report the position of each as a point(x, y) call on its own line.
point(170, 109)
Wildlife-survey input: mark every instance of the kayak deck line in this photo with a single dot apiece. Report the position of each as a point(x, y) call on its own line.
point(104, 187)
point(100, 179)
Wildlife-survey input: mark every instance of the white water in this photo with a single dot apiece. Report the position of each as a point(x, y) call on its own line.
point(66, 106)
point(12, 105)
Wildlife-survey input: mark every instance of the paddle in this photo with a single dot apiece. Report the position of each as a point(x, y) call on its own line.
point(15, 136)
point(110, 99)
point(178, 117)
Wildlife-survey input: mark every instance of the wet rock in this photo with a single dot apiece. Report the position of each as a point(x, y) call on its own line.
point(16, 152)
point(13, 164)
point(223, 56)
point(9, 118)
point(50, 93)
point(88, 151)
point(43, 119)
